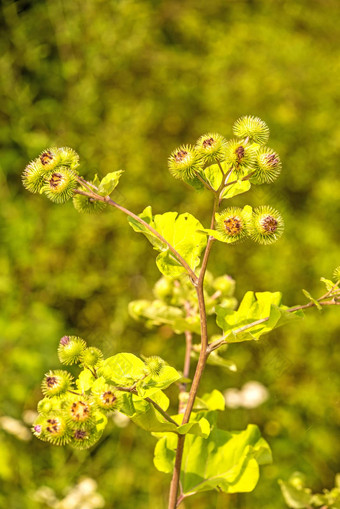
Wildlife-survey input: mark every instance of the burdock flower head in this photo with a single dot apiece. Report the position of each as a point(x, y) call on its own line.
point(240, 157)
point(53, 428)
point(267, 166)
point(88, 205)
point(251, 128)
point(50, 158)
point(71, 349)
point(59, 185)
point(56, 383)
point(266, 225)
point(336, 274)
point(79, 411)
point(211, 147)
point(90, 356)
point(106, 397)
point(185, 162)
point(34, 176)
point(231, 224)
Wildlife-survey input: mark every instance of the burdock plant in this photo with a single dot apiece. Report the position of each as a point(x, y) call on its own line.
point(190, 446)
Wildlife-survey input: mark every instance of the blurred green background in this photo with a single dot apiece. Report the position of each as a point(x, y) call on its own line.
point(124, 82)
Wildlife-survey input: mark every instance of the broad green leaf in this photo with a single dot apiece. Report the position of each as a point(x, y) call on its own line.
point(228, 461)
point(315, 302)
point(122, 369)
point(254, 307)
point(213, 175)
point(109, 183)
point(153, 383)
point(241, 186)
point(85, 380)
point(181, 231)
point(294, 497)
point(157, 313)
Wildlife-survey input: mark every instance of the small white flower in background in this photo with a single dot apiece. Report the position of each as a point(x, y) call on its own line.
point(15, 427)
point(82, 496)
point(120, 420)
point(252, 395)
point(29, 416)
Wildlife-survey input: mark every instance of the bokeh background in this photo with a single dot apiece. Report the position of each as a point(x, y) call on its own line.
point(124, 82)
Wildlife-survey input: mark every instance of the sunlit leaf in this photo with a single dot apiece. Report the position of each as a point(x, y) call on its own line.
point(181, 231)
point(109, 182)
point(228, 461)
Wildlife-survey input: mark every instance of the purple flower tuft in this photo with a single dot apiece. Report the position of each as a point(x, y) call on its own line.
point(65, 340)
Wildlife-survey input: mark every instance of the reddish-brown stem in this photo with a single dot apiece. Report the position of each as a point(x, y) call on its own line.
point(186, 367)
point(173, 501)
point(107, 199)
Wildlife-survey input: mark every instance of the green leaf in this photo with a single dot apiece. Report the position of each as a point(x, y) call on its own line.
point(100, 420)
point(241, 186)
point(315, 302)
point(329, 284)
point(122, 369)
point(294, 497)
point(253, 308)
point(213, 175)
point(181, 231)
point(109, 183)
point(228, 461)
point(85, 380)
point(153, 383)
point(214, 400)
point(157, 313)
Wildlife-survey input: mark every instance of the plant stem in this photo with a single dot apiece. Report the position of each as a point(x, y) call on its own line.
point(186, 367)
point(173, 502)
point(107, 199)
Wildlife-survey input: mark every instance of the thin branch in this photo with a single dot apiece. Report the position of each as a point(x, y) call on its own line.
point(206, 184)
point(223, 340)
point(107, 199)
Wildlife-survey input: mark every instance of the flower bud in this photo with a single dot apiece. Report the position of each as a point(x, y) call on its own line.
point(225, 284)
point(232, 224)
point(154, 365)
point(211, 147)
point(79, 410)
point(90, 356)
point(184, 162)
point(266, 225)
point(47, 405)
point(267, 166)
point(56, 383)
point(240, 157)
point(59, 185)
point(49, 159)
point(336, 274)
point(252, 128)
point(68, 157)
point(33, 177)
point(86, 205)
point(70, 349)
point(106, 398)
point(84, 438)
point(53, 428)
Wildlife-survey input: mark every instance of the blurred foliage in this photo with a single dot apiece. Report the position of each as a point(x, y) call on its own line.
point(124, 82)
